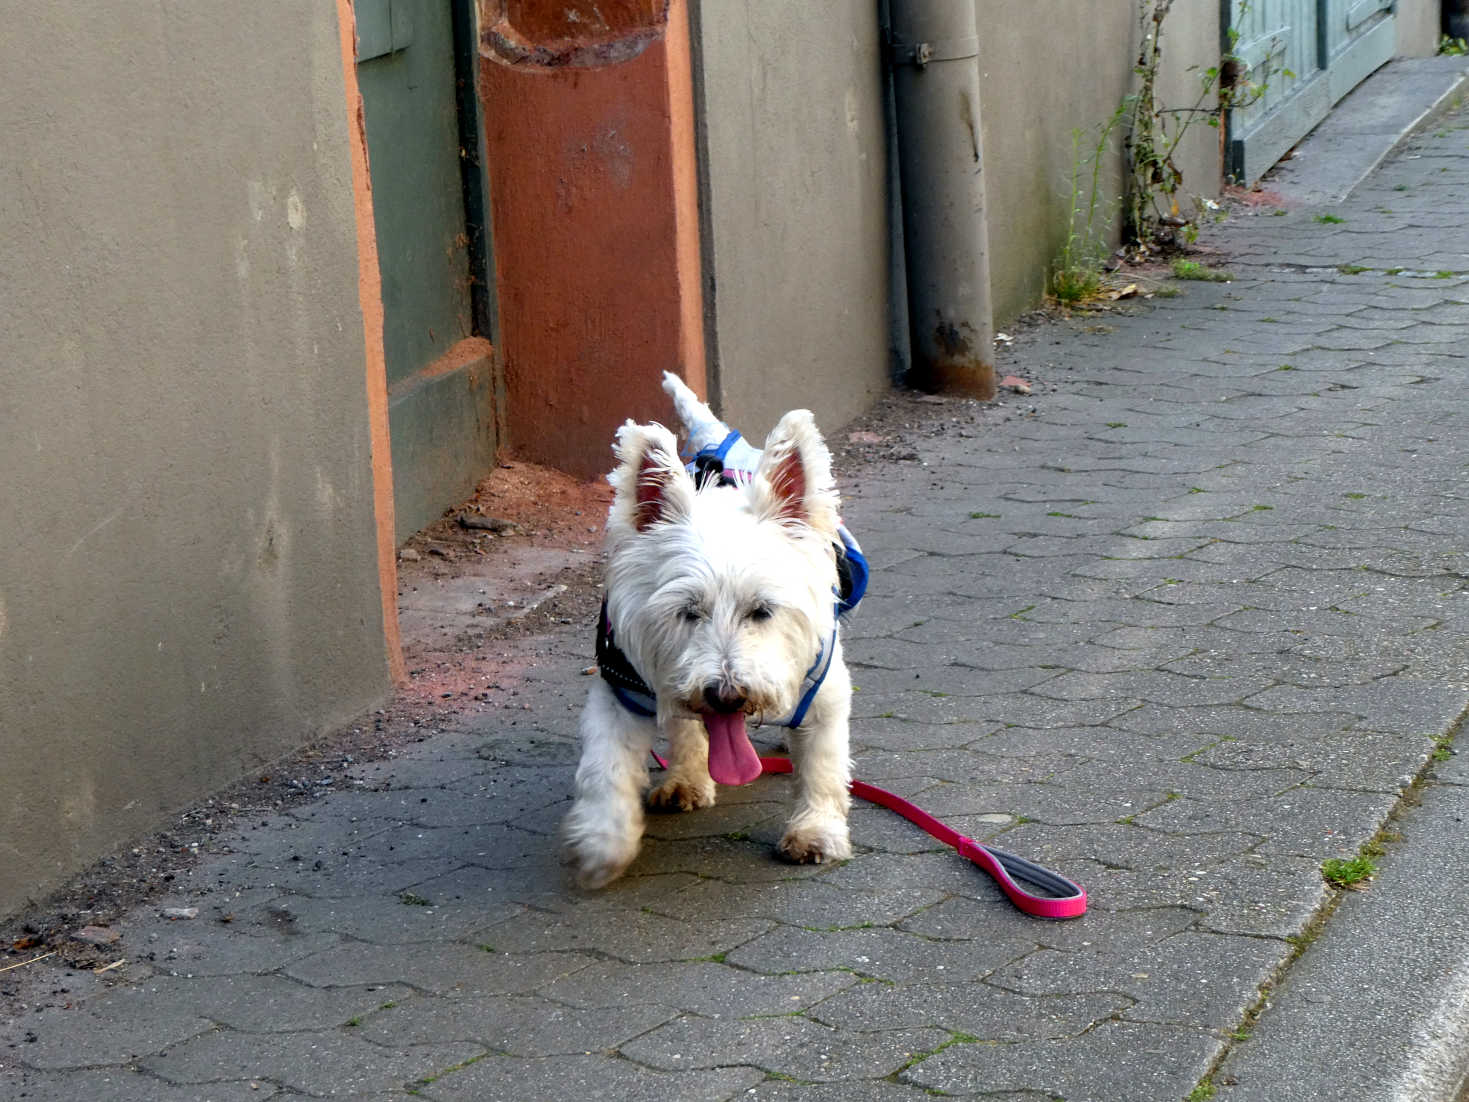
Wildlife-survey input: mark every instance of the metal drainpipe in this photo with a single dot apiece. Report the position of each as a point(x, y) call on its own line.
point(934, 44)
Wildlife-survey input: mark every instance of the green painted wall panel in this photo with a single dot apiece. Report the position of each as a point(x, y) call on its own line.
point(417, 196)
point(442, 424)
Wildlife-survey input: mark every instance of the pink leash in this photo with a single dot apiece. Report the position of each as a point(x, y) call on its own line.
point(1065, 898)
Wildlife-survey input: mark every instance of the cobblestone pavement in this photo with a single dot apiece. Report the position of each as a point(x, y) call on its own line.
point(1184, 624)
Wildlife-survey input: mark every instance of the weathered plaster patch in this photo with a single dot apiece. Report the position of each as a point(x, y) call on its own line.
point(295, 210)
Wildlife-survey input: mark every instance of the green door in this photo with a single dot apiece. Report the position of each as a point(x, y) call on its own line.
point(415, 69)
point(1305, 55)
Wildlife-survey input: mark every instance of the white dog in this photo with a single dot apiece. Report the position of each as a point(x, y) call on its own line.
point(722, 594)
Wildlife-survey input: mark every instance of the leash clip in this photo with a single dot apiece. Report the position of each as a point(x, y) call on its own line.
point(707, 467)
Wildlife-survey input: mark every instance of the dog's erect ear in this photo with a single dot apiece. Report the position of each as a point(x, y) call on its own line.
point(650, 484)
point(793, 481)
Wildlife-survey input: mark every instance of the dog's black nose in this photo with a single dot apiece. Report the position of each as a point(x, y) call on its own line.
point(719, 697)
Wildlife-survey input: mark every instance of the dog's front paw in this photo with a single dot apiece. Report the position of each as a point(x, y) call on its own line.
point(598, 855)
point(596, 866)
point(681, 796)
point(814, 844)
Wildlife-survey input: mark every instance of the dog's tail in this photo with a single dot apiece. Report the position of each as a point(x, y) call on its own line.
point(708, 435)
point(703, 428)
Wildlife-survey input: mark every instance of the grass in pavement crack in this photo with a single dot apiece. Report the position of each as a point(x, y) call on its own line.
point(1411, 796)
point(918, 1058)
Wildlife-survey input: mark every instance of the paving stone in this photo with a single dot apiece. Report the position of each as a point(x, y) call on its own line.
point(881, 954)
point(123, 1084)
point(922, 707)
point(356, 876)
point(1157, 687)
point(814, 904)
point(774, 1090)
point(425, 766)
point(271, 1003)
point(403, 805)
point(280, 837)
point(706, 988)
point(421, 844)
point(938, 868)
point(960, 679)
point(1026, 753)
point(117, 1027)
point(1191, 978)
point(1353, 759)
point(889, 731)
point(493, 893)
point(883, 767)
point(790, 1046)
point(1116, 1062)
point(1387, 704)
point(1197, 780)
point(733, 860)
point(1102, 800)
point(324, 1064)
point(1129, 846)
point(519, 1025)
point(987, 1013)
point(635, 891)
point(631, 935)
point(1255, 894)
point(1029, 709)
point(1301, 670)
point(425, 911)
point(511, 1079)
point(438, 968)
point(264, 940)
point(746, 817)
point(1307, 822)
point(1208, 724)
point(889, 652)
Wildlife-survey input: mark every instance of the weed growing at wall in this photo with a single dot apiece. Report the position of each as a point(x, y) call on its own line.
point(1077, 274)
point(1157, 213)
point(1154, 212)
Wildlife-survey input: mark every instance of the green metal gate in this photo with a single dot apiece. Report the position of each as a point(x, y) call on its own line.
point(415, 70)
point(1306, 55)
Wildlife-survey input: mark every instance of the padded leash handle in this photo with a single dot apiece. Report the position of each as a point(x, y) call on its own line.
point(1063, 898)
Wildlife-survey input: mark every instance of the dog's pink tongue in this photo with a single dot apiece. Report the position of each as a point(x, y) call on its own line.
point(732, 760)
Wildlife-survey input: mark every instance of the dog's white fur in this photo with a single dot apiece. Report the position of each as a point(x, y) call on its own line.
point(726, 588)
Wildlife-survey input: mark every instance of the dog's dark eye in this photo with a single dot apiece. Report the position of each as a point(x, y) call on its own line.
point(691, 614)
point(761, 612)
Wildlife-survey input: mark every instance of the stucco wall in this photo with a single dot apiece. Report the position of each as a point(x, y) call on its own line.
point(795, 191)
point(1418, 27)
point(796, 279)
point(1041, 78)
point(188, 576)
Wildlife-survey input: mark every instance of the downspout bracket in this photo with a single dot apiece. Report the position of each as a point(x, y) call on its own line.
point(919, 54)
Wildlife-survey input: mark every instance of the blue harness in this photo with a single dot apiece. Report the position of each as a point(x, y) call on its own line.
point(629, 687)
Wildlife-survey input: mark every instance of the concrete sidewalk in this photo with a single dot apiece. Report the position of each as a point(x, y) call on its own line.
point(1184, 624)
